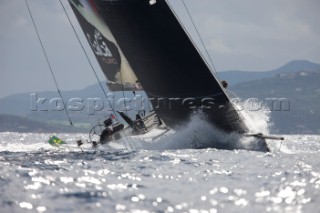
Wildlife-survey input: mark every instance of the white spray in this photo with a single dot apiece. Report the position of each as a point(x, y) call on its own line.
point(198, 133)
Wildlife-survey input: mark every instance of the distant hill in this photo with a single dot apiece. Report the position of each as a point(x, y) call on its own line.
point(301, 89)
point(13, 123)
point(235, 77)
point(19, 104)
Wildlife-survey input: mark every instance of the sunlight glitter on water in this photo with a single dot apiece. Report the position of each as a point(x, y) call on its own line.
point(209, 180)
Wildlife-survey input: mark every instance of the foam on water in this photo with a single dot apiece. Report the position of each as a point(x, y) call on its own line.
point(198, 133)
point(257, 120)
point(257, 117)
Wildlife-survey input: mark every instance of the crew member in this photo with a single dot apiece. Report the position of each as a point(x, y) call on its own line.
point(224, 84)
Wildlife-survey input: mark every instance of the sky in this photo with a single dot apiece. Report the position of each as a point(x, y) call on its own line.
point(248, 35)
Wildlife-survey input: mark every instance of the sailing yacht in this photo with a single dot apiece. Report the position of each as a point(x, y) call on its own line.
point(143, 41)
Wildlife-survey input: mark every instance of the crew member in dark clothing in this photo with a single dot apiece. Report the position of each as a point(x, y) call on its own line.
point(224, 84)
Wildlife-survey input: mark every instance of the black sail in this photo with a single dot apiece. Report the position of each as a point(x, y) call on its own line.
point(113, 63)
point(168, 65)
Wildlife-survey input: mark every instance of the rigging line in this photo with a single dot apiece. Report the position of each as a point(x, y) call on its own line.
point(125, 107)
point(191, 40)
point(48, 62)
point(123, 94)
point(215, 74)
point(87, 56)
point(93, 69)
point(199, 35)
point(124, 102)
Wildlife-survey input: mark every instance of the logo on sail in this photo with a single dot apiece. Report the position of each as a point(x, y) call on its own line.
point(100, 47)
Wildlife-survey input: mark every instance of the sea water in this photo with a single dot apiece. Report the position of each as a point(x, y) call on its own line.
point(36, 177)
